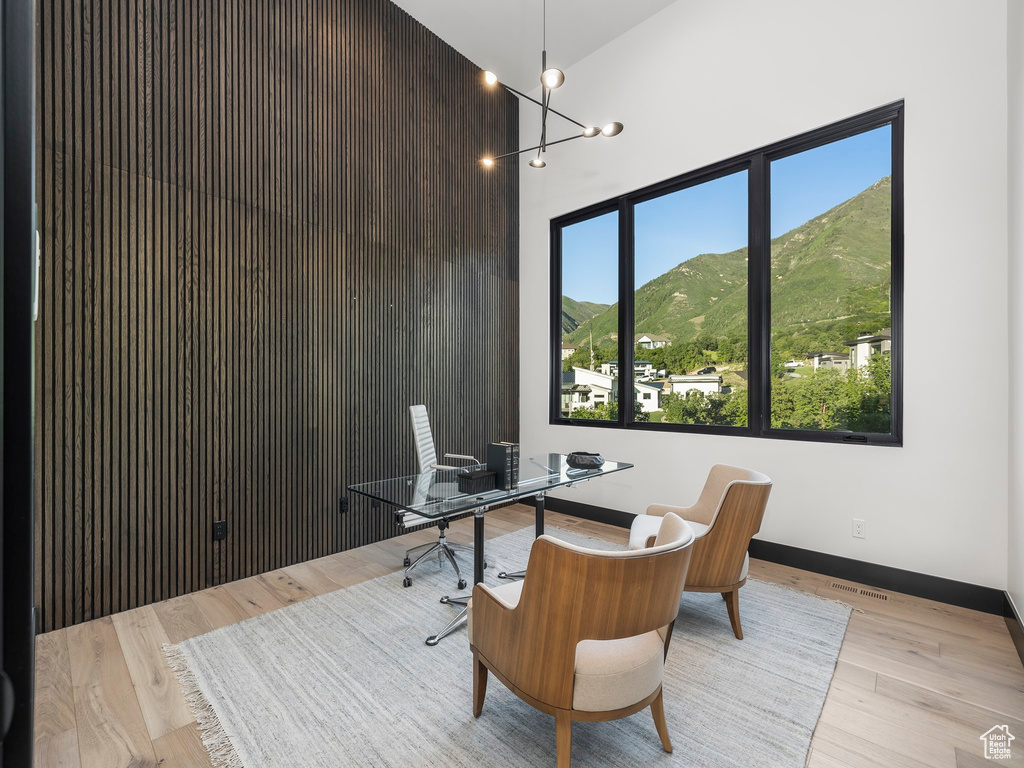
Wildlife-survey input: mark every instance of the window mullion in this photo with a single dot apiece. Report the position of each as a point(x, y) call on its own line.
point(626, 389)
point(555, 339)
point(759, 297)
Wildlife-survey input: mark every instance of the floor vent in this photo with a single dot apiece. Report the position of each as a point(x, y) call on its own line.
point(876, 595)
point(844, 587)
point(858, 590)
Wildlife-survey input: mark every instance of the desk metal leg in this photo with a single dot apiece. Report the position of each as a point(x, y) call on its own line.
point(538, 501)
point(478, 549)
point(478, 577)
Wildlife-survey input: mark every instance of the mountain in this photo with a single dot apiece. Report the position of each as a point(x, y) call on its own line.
point(576, 313)
point(834, 267)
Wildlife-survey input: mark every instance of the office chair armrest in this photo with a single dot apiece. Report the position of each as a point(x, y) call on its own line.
point(462, 457)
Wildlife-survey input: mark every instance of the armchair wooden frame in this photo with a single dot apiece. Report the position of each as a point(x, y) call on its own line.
point(569, 595)
point(720, 551)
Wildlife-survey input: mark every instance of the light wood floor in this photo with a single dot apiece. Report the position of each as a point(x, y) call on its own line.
point(917, 682)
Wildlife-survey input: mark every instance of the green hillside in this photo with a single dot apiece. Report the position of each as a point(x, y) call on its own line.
point(576, 313)
point(829, 276)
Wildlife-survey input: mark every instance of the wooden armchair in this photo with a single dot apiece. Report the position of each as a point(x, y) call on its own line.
point(725, 519)
point(585, 635)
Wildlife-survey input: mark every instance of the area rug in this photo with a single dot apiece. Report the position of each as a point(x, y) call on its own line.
point(345, 679)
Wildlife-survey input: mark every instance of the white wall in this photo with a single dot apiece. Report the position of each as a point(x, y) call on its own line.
point(706, 79)
point(1015, 90)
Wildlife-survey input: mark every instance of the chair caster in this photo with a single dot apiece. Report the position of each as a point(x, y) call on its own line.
point(407, 562)
point(462, 583)
point(406, 582)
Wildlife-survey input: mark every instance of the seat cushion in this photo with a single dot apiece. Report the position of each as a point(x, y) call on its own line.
point(645, 526)
point(612, 674)
point(508, 593)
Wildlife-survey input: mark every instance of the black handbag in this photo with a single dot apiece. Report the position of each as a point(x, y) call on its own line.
point(584, 460)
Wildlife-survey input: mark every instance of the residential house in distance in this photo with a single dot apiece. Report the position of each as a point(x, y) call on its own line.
point(648, 394)
point(830, 360)
point(583, 388)
point(640, 368)
point(574, 395)
point(708, 384)
point(567, 350)
point(603, 386)
point(868, 344)
point(652, 341)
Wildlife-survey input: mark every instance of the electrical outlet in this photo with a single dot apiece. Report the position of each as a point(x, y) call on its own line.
point(858, 528)
point(343, 506)
point(220, 530)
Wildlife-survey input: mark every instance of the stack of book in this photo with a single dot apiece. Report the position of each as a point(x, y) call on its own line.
point(503, 461)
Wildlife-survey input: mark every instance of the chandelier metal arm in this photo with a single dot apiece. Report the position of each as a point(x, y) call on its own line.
point(530, 149)
point(541, 105)
point(544, 123)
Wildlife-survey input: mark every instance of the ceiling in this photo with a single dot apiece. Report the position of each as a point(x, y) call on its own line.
point(505, 36)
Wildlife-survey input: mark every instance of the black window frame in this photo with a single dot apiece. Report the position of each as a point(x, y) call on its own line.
point(757, 164)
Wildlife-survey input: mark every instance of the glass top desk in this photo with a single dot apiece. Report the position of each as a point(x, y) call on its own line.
point(435, 494)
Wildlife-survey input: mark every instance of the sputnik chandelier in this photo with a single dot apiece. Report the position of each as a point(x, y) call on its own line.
point(550, 79)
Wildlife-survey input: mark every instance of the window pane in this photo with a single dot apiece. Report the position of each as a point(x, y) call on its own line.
point(590, 318)
point(831, 280)
point(690, 305)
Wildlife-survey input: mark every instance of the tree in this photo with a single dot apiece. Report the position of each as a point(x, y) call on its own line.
point(680, 358)
point(638, 412)
point(817, 400)
point(778, 369)
point(608, 412)
point(597, 412)
point(581, 357)
point(827, 399)
point(696, 407)
point(870, 396)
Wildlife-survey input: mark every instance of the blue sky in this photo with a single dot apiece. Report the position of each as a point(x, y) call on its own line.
point(712, 217)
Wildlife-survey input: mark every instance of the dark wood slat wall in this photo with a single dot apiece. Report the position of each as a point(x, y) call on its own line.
point(264, 236)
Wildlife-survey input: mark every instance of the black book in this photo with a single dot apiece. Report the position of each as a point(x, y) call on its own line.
point(503, 461)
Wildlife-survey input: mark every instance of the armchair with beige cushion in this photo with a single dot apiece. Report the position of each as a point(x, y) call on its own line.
point(725, 519)
point(585, 635)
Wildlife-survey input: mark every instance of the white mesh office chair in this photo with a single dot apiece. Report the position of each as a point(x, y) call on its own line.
point(426, 460)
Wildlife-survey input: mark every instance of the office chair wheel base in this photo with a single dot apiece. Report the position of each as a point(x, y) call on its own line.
point(462, 584)
point(406, 582)
point(407, 562)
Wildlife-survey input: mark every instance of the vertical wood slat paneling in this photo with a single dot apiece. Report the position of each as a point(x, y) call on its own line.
point(264, 236)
